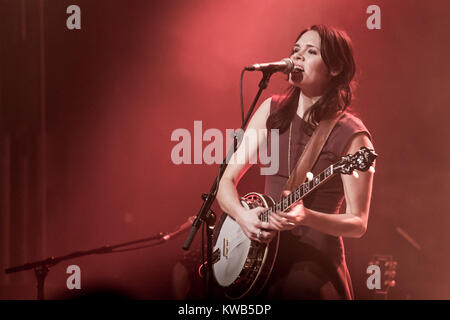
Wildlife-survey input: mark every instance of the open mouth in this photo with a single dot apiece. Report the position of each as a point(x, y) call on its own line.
point(297, 69)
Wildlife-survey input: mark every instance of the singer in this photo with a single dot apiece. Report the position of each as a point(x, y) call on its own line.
point(311, 260)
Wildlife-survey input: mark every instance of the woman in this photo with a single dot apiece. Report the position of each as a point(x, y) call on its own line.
point(311, 260)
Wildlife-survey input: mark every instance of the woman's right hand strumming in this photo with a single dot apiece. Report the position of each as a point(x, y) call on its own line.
point(253, 227)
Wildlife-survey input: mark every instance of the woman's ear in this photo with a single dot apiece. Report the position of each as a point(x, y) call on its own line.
point(336, 71)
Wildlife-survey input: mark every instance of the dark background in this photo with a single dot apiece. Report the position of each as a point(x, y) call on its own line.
point(86, 118)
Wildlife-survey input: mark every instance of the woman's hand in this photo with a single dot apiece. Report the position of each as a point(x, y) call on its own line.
point(290, 219)
point(253, 227)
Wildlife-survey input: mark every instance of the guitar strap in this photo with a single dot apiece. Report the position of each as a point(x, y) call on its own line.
point(311, 152)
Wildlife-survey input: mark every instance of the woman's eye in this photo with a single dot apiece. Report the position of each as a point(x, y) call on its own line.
point(312, 51)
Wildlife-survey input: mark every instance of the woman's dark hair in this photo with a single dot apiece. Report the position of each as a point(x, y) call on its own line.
point(337, 54)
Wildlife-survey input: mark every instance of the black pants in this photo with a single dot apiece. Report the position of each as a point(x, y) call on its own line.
point(302, 272)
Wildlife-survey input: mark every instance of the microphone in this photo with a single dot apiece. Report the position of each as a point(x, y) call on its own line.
point(286, 66)
point(180, 230)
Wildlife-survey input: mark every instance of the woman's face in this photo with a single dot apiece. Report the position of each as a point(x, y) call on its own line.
point(314, 76)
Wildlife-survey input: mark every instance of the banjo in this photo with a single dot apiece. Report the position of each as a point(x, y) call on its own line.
point(242, 266)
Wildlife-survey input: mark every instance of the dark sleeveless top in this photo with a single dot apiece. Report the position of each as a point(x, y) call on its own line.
point(311, 264)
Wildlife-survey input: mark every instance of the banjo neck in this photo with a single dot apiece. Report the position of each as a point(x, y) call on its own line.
point(361, 160)
point(302, 191)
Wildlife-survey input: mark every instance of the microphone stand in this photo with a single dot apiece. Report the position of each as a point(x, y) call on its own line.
point(42, 267)
point(206, 215)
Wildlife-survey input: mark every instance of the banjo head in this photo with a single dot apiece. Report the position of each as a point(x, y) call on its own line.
point(243, 265)
point(234, 247)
